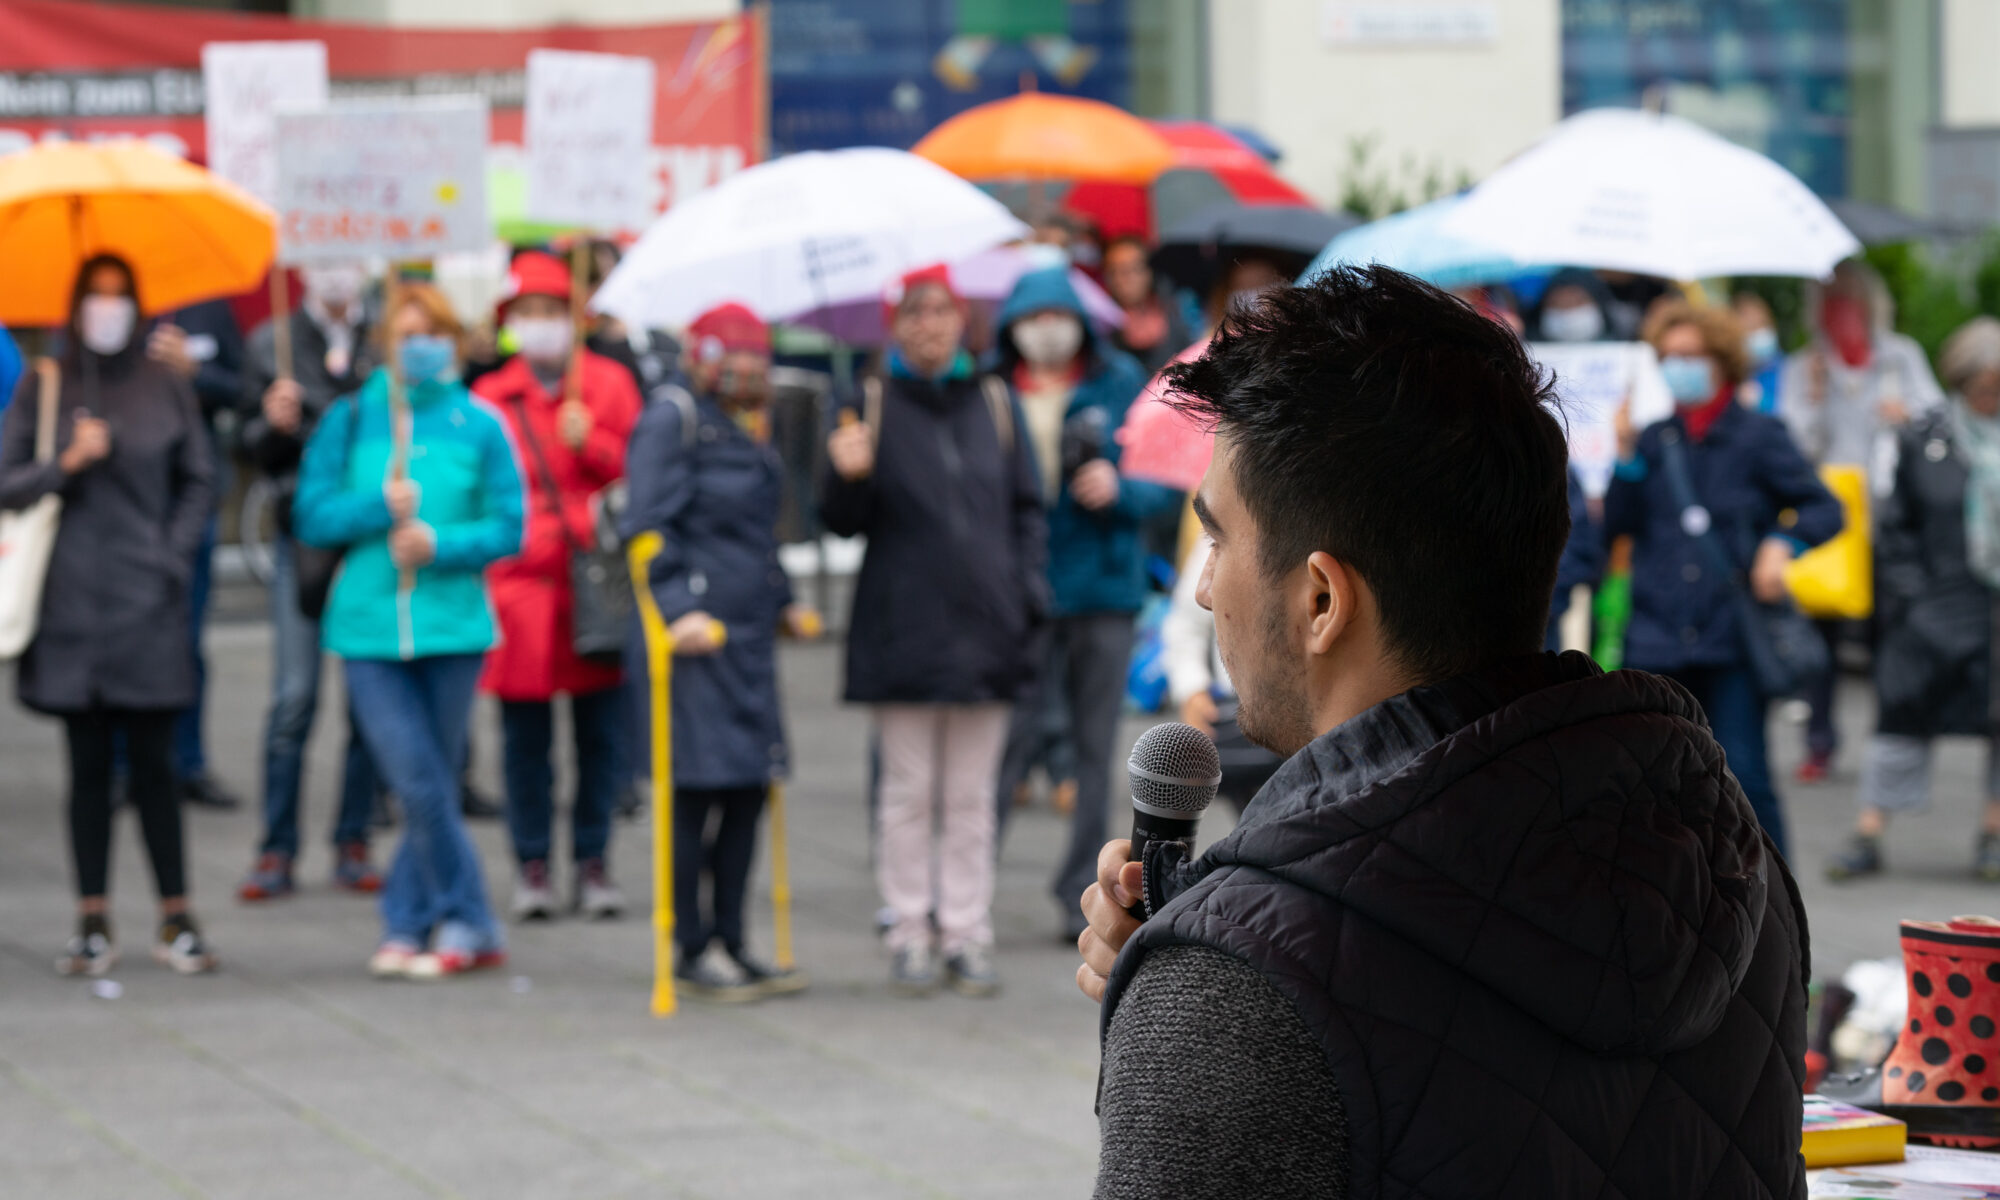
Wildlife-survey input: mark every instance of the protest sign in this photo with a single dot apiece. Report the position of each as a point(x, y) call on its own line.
point(1593, 380)
point(589, 125)
point(397, 179)
point(246, 84)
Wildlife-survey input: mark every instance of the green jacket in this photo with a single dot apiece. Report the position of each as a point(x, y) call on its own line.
point(469, 489)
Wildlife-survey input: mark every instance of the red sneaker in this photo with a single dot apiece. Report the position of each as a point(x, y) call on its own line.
point(268, 880)
point(1814, 770)
point(352, 872)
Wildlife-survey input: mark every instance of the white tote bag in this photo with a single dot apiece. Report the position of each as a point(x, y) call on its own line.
point(28, 535)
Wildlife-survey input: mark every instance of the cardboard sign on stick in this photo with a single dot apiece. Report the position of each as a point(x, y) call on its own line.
point(246, 85)
point(395, 179)
point(589, 123)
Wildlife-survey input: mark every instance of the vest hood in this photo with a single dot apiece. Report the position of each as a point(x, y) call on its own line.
point(1567, 839)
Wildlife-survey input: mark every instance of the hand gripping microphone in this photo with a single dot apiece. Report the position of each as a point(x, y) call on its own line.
point(1174, 770)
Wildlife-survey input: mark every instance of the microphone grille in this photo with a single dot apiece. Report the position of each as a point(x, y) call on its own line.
point(1174, 767)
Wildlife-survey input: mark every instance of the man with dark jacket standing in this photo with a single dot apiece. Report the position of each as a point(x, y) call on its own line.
point(1503, 925)
point(331, 354)
point(1073, 392)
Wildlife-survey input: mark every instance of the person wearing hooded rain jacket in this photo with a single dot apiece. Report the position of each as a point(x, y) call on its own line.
point(1073, 390)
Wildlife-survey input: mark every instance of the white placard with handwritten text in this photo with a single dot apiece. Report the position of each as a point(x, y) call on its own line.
point(589, 134)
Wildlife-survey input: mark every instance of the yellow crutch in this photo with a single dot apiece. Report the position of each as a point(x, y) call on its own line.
point(659, 667)
point(659, 674)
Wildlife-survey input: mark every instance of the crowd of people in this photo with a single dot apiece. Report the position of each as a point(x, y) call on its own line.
point(446, 494)
point(440, 490)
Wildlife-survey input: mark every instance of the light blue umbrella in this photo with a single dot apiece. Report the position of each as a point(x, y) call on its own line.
point(1414, 241)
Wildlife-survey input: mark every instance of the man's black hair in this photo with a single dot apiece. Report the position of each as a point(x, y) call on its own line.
point(1391, 425)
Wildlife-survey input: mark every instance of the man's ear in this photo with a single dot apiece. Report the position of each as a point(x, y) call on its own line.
point(1335, 601)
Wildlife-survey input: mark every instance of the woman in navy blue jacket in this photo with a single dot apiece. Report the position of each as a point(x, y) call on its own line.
point(704, 477)
point(1754, 491)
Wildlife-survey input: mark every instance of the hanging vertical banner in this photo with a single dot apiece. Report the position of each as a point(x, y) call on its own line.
point(245, 85)
point(395, 179)
point(588, 125)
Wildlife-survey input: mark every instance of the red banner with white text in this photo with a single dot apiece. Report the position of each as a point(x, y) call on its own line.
point(75, 69)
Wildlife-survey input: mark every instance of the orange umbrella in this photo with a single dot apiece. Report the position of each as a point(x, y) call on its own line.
point(189, 234)
point(1036, 135)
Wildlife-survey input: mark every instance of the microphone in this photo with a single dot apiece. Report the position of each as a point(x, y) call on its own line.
point(1174, 771)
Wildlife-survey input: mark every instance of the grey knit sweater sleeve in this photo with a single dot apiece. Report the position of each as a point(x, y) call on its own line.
point(1213, 1089)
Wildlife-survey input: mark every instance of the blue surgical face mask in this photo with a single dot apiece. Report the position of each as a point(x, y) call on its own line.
point(427, 357)
point(1690, 378)
point(1762, 345)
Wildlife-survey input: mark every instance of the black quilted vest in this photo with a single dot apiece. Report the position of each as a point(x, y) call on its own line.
point(1545, 947)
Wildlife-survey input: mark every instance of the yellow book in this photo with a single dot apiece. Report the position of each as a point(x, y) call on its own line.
point(1839, 1135)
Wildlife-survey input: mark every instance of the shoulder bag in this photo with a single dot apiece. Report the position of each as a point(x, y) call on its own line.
point(313, 568)
point(28, 535)
point(602, 604)
point(1786, 653)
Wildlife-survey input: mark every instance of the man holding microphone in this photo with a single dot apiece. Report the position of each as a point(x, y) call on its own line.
point(1503, 925)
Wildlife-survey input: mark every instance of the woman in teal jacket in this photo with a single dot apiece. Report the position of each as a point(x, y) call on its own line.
point(409, 615)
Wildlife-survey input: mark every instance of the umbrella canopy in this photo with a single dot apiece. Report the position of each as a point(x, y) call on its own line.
point(189, 235)
point(805, 232)
point(1191, 252)
point(1160, 443)
point(985, 280)
point(1036, 135)
point(1653, 194)
point(1878, 224)
point(1417, 241)
point(1211, 166)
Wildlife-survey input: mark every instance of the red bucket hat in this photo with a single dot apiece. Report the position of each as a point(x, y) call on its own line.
point(535, 274)
point(936, 273)
point(727, 329)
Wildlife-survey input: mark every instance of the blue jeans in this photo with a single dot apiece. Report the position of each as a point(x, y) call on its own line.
point(1736, 712)
point(414, 715)
point(189, 756)
point(529, 725)
point(295, 668)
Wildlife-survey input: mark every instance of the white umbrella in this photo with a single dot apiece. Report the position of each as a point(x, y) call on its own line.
point(801, 233)
point(1656, 195)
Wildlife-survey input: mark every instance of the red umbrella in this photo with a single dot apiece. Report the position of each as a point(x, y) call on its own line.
point(1159, 443)
point(1210, 166)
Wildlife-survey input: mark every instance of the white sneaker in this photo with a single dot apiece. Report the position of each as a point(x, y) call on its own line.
point(914, 971)
point(391, 960)
point(184, 951)
point(970, 971)
point(534, 900)
point(596, 896)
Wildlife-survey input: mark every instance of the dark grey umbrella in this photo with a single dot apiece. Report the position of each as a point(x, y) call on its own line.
point(1192, 252)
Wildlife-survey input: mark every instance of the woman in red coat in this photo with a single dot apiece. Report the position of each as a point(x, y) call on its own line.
point(570, 449)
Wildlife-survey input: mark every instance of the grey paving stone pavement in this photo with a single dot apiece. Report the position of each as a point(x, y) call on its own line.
point(291, 1073)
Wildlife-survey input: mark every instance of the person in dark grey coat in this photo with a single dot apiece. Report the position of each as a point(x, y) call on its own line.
point(938, 473)
point(704, 477)
point(1934, 603)
point(111, 655)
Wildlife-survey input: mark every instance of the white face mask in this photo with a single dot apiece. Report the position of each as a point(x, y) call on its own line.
point(337, 286)
point(541, 339)
point(1582, 324)
point(1048, 340)
point(105, 323)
